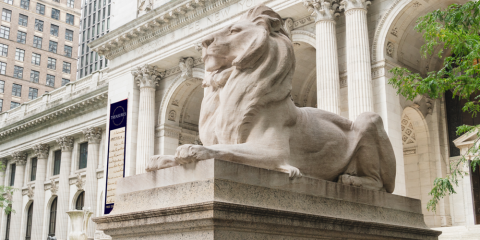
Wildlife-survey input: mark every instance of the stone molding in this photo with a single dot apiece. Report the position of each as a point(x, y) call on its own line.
point(80, 183)
point(172, 71)
point(379, 28)
point(41, 150)
point(322, 10)
point(348, 5)
point(20, 158)
point(147, 76)
point(93, 135)
point(168, 131)
point(30, 192)
point(66, 143)
point(186, 65)
point(53, 187)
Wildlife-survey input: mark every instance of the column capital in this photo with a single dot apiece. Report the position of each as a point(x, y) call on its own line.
point(66, 143)
point(20, 158)
point(354, 4)
point(93, 134)
point(147, 76)
point(41, 150)
point(322, 10)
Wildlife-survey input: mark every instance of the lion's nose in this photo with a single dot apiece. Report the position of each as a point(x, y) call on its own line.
point(207, 41)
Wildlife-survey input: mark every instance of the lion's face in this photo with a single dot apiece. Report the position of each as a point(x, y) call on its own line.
point(232, 45)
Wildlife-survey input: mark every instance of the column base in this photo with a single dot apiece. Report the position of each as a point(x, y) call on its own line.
point(215, 199)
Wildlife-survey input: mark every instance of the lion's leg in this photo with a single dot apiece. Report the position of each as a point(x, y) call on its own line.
point(246, 153)
point(160, 162)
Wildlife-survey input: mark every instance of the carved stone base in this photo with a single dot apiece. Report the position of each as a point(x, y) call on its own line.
point(215, 199)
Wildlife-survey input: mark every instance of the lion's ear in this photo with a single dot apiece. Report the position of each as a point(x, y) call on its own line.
point(254, 50)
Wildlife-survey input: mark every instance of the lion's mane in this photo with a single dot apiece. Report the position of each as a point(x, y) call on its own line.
point(260, 76)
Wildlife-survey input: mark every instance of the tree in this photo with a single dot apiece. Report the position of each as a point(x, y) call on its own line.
point(456, 30)
point(6, 193)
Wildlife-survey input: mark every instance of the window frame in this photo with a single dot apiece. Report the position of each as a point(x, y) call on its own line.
point(36, 76)
point(53, 217)
point(39, 24)
point(52, 63)
point(32, 92)
point(25, 4)
point(12, 103)
point(52, 46)
point(6, 15)
point(67, 67)
point(33, 168)
point(3, 50)
point(22, 19)
point(70, 19)
point(50, 78)
point(4, 32)
point(18, 72)
point(36, 59)
point(57, 161)
point(40, 11)
point(82, 162)
point(13, 169)
point(19, 54)
point(54, 30)
point(54, 14)
point(36, 42)
point(21, 37)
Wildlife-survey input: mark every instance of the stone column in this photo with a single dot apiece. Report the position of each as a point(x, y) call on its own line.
point(41, 151)
point(360, 92)
point(61, 230)
point(20, 159)
point(93, 135)
point(328, 80)
point(147, 78)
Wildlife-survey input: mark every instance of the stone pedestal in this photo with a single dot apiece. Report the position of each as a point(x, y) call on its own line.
point(215, 199)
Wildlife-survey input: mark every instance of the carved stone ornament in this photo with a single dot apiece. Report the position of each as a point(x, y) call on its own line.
point(80, 183)
point(41, 150)
point(30, 192)
point(144, 6)
point(66, 143)
point(54, 187)
point(394, 31)
point(322, 10)
point(147, 76)
point(186, 65)
point(390, 49)
point(9, 196)
point(354, 4)
point(247, 114)
point(93, 134)
point(288, 25)
point(20, 158)
point(172, 115)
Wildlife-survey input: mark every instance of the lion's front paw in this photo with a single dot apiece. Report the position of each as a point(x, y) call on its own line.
point(159, 162)
point(292, 171)
point(350, 180)
point(190, 153)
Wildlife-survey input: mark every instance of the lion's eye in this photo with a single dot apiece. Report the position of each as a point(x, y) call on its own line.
point(235, 30)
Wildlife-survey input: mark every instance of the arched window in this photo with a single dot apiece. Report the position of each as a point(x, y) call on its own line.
point(80, 201)
point(7, 232)
point(53, 218)
point(28, 236)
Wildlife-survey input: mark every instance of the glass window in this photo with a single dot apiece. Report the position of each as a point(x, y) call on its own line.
point(18, 72)
point(65, 81)
point(69, 35)
point(52, 47)
point(70, 19)
point(55, 14)
point(17, 90)
point(37, 42)
point(7, 234)
point(38, 25)
point(71, 3)
point(14, 105)
point(2, 86)
point(23, 20)
point(3, 50)
point(34, 76)
point(95, 6)
point(53, 217)
point(6, 15)
point(12, 174)
point(56, 1)
point(8, 1)
point(56, 163)
point(1, 105)
point(66, 67)
point(83, 155)
point(32, 93)
point(28, 235)
point(36, 58)
point(50, 80)
point(93, 31)
point(52, 63)
point(25, 4)
point(21, 37)
point(4, 32)
point(33, 172)
point(54, 30)
point(19, 54)
point(3, 68)
point(68, 51)
point(40, 9)
point(80, 201)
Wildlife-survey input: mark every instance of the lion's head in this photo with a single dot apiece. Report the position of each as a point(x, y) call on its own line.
point(248, 64)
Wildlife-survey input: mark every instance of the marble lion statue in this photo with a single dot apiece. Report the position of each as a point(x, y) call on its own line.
point(248, 117)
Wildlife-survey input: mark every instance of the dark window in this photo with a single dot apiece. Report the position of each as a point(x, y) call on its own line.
point(36, 58)
point(56, 163)
point(1, 105)
point(7, 233)
point(52, 63)
point(25, 4)
point(23, 20)
point(34, 76)
point(69, 35)
point(68, 51)
point(33, 172)
point(40, 9)
point(71, 3)
point(83, 155)
point(3, 68)
point(3, 50)
point(17, 90)
point(53, 217)
point(14, 105)
point(54, 30)
point(19, 54)
point(2, 86)
point(66, 67)
point(32, 93)
point(65, 81)
point(52, 46)
point(70, 19)
point(28, 235)
point(4, 32)
point(55, 13)
point(18, 72)
point(12, 174)
point(21, 37)
point(6, 15)
point(37, 42)
point(38, 25)
point(80, 201)
point(50, 80)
